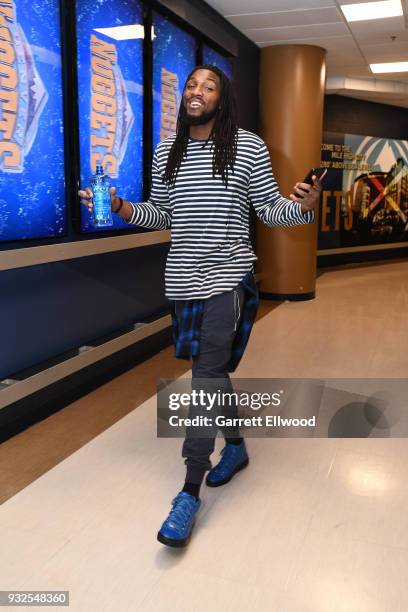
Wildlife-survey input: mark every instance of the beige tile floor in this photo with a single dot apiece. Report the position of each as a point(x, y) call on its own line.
point(313, 525)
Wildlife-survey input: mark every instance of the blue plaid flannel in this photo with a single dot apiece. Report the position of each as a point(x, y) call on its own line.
point(186, 330)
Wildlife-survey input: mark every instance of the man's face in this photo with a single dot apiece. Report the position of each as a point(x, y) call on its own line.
point(201, 97)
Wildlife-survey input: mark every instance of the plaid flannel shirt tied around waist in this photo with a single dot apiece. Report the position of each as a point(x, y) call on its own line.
point(187, 327)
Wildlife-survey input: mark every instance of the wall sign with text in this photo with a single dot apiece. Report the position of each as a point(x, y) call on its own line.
point(32, 179)
point(365, 193)
point(110, 96)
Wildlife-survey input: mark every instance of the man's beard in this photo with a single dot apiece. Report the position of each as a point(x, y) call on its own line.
point(197, 119)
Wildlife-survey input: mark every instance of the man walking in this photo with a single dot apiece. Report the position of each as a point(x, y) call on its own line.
point(204, 180)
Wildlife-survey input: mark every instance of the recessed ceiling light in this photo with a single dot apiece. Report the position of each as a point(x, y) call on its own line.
point(372, 10)
point(390, 67)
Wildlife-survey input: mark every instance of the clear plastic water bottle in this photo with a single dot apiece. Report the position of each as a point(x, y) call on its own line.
point(102, 215)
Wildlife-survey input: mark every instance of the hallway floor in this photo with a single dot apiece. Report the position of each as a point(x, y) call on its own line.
point(312, 525)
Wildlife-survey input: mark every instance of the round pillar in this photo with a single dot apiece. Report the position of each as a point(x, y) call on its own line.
point(292, 81)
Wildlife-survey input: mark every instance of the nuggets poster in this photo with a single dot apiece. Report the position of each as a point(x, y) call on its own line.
point(174, 56)
point(110, 96)
point(216, 59)
point(32, 179)
point(365, 193)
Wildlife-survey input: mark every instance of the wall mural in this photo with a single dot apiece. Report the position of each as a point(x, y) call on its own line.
point(365, 195)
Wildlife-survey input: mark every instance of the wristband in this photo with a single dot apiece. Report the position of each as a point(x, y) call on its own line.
point(120, 205)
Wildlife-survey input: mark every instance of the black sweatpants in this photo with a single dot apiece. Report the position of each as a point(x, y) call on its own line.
point(219, 324)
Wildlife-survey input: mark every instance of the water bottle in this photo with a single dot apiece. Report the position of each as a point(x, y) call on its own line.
point(102, 215)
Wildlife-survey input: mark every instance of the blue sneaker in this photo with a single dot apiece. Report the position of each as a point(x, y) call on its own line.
point(234, 458)
point(177, 527)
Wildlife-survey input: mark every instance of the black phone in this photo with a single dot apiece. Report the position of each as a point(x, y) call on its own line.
point(308, 179)
point(313, 172)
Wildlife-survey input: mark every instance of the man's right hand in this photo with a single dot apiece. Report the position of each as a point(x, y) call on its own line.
point(86, 196)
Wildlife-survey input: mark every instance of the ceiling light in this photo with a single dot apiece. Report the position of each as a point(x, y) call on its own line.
point(126, 32)
point(372, 10)
point(390, 67)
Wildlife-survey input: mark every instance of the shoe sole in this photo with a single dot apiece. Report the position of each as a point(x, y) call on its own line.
point(175, 543)
point(239, 467)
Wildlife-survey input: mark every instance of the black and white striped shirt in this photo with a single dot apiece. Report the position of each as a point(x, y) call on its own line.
point(210, 247)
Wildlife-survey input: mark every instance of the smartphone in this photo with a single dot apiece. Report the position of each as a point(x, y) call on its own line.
point(308, 179)
point(313, 172)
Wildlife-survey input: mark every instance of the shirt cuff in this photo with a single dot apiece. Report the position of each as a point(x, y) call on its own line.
point(133, 219)
point(308, 216)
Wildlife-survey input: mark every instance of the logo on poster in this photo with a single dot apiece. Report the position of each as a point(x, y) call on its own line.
point(111, 114)
point(169, 103)
point(22, 93)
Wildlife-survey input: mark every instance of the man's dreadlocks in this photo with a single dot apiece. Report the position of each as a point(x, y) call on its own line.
point(224, 133)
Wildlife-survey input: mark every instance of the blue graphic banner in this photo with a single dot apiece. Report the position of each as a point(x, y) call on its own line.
point(365, 192)
point(226, 64)
point(174, 56)
point(32, 187)
point(110, 96)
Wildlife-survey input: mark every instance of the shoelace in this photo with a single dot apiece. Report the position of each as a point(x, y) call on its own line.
point(180, 512)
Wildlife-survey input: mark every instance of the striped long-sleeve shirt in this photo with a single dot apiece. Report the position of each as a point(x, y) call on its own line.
point(210, 248)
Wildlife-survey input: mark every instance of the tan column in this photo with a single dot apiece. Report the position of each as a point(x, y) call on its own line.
point(292, 83)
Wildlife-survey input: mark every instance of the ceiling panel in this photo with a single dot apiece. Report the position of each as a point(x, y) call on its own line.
point(326, 43)
point(286, 18)
point(310, 31)
point(238, 7)
point(390, 52)
point(331, 43)
point(346, 58)
point(353, 71)
point(350, 46)
point(379, 30)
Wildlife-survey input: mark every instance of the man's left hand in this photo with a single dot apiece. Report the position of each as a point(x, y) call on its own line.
point(311, 196)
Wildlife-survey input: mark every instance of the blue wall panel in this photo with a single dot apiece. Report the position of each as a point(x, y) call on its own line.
point(110, 97)
point(32, 183)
